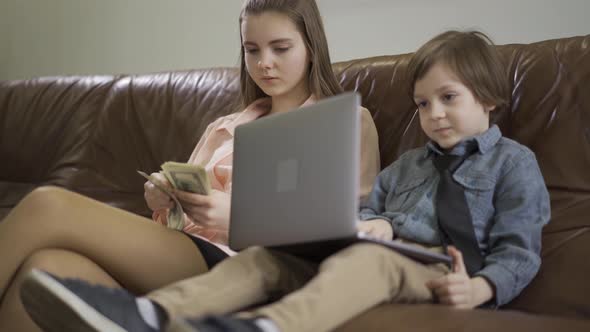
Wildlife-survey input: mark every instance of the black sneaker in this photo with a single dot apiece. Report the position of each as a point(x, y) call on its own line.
point(60, 305)
point(214, 324)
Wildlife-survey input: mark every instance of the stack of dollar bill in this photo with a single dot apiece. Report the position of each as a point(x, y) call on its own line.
point(185, 177)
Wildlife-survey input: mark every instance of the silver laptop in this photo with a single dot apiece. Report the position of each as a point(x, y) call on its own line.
point(296, 182)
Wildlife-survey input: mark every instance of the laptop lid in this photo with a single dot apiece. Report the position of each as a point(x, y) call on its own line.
point(296, 175)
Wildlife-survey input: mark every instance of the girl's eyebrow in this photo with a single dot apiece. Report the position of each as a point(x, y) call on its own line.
point(275, 41)
point(280, 41)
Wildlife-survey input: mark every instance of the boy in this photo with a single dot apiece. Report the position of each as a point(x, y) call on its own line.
point(469, 191)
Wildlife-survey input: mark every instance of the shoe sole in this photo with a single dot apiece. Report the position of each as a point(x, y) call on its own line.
point(56, 309)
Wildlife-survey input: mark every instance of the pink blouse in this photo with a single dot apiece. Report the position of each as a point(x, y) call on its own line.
point(215, 153)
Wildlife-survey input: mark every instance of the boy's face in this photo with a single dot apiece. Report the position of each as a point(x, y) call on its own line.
point(449, 113)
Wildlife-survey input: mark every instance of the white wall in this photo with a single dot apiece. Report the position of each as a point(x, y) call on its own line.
point(56, 37)
point(3, 41)
point(361, 28)
point(52, 37)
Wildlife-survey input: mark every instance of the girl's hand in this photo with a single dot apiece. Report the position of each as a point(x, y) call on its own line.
point(206, 210)
point(155, 198)
point(379, 228)
point(457, 289)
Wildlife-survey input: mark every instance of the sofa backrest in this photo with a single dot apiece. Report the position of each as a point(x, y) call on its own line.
point(90, 134)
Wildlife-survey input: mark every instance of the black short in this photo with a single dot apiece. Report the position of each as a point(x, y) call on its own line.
point(211, 253)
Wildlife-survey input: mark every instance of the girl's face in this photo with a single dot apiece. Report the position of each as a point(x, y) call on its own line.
point(449, 112)
point(275, 55)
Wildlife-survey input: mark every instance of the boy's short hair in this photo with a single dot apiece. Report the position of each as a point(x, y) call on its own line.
point(473, 57)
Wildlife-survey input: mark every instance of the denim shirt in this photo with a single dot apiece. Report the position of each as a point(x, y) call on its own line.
point(505, 193)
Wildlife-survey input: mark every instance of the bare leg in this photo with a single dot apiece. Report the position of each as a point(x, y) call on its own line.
point(139, 254)
point(62, 263)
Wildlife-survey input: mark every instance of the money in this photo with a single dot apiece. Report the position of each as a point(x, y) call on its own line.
point(176, 213)
point(187, 177)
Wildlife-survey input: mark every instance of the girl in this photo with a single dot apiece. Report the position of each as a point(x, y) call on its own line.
point(284, 64)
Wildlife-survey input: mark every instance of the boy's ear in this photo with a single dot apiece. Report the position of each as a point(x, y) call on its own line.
point(489, 108)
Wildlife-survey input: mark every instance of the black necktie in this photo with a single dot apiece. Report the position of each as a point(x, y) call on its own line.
point(454, 218)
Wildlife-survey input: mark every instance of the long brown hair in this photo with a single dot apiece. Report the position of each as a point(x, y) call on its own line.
point(472, 57)
point(306, 17)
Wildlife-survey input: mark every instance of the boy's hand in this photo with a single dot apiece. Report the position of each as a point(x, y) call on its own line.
point(207, 210)
point(457, 289)
point(379, 228)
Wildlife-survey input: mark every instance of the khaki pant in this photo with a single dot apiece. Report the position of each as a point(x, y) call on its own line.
point(305, 296)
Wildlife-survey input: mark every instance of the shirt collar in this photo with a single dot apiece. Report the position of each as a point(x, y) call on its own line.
point(484, 142)
point(256, 109)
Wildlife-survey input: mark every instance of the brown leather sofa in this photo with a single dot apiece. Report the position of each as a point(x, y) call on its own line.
point(90, 134)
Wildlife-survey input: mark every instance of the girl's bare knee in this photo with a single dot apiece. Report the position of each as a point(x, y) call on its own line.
point(44, 197)
point(43, 203)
